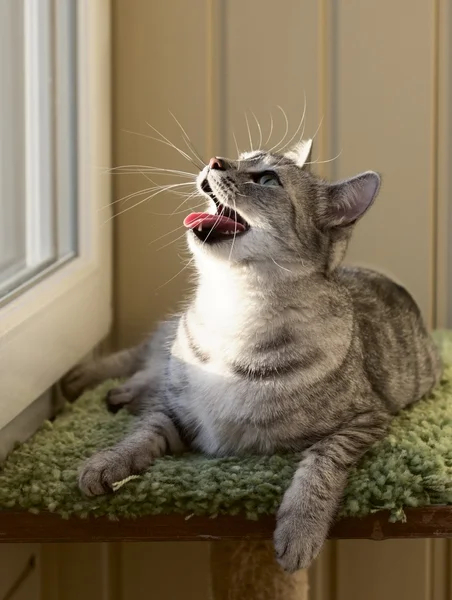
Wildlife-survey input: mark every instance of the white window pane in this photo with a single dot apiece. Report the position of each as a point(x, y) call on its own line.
point(38, 121)
point(12, 141)
point(66, 126)
point(38, 133)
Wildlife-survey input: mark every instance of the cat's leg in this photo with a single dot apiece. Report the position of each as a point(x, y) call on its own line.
point(138, 393)
point(154, 435)
point(121, 364)
point(312, 500)
point(89, 374)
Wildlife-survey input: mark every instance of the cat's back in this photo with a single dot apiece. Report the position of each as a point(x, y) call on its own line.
point(372, 291)
point(400, 358)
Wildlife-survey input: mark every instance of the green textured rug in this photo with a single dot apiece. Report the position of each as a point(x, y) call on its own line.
point(412, 466)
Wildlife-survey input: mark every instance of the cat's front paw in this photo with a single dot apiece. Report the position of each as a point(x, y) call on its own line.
point(101, 471)
point(79, 379)
point(297, 541)
point(124, 396)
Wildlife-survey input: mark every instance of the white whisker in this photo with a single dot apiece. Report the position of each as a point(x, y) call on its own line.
point(140, 169)
point(136, 204)
point(320, 162)
point(260, 130)
point(249, 132)
point(220, 214)
point(188, 142)
point(170, 143)
point(179, 212)
point(128, 197)
point(146, 191)
point(166, 234)
point(176, 275)
point(298, 128)
point(143, 172)
point(318, 129)
point(275, 147)
point(148, 178)
point(271, 130)
point(166, 141)
point(235, 230)
point(236, 145)
point(171, 242)
point(283, 268)
point(192, 195)
point(163, 141)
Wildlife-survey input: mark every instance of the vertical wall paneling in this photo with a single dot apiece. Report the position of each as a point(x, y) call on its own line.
point(322, 575)
point(388, 570)
point(328, 138)
point(444, 199)
point(434, 239)
point(385, 110)
point(74, 571)
point(160, 64)
point(271, 59)
point(165, 571)
point(439, 570)
point(20, 571)
point(377, 76)
point(386, 99)
point(167, 56)
point(216, 78)
point(444, 155)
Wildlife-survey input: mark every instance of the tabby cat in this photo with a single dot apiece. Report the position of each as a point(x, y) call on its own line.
point(281, 347)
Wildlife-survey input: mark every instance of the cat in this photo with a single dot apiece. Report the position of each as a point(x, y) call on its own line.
point(281, 347)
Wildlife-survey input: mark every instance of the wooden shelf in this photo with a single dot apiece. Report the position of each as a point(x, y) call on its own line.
point(17, 526)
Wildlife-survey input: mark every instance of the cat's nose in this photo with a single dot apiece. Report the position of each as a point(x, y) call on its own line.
point(216, 163)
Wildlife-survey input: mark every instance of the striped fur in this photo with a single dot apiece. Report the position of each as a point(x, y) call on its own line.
point(281, 348)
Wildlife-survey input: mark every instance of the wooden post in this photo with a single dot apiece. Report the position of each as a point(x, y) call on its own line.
point(248, 570)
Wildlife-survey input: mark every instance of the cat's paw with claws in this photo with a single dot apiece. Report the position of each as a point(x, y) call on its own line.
point(101, 471)
point(297, 541)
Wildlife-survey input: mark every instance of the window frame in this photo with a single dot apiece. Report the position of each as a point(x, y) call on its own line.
point(46, 137)
point(50, 326)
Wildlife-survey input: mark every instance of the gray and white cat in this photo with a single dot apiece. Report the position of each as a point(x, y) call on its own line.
point(281, 347)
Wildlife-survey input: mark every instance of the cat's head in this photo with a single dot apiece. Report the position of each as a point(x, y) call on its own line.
point(268, 207)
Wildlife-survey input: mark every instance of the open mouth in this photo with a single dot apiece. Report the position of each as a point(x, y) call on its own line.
point(225, 224)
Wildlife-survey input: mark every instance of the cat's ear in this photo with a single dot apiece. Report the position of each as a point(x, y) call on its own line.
point(301, 154)
point(346, 201)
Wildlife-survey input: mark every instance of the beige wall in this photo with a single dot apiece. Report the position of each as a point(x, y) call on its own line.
point(379, 76)
point(20, 571)
point(374, 89)
point(377, 72)
point(160, 63)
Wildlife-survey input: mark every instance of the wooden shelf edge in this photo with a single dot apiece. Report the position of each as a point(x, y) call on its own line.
point(21, 526)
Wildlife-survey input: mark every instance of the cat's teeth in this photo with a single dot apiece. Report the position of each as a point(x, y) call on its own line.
point(200, 227)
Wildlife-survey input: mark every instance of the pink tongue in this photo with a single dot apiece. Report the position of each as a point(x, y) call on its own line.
point(209, 221)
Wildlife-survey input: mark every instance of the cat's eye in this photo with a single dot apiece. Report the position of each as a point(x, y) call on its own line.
point(269, 179)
